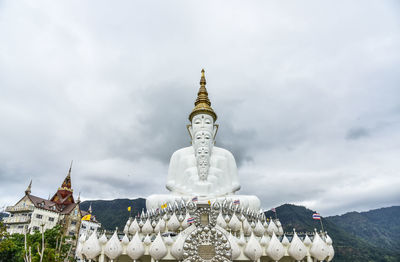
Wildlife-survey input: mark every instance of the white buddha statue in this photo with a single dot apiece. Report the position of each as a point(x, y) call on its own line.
point(202, 169)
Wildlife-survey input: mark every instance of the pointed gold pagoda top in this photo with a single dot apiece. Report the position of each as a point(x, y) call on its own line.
point(202, 105)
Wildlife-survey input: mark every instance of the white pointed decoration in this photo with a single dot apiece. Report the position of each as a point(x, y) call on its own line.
point(259, 229)
point(275, 249)
point(227, 219)
point(297, 249)
point(241, 241)
point(177, 247)
point(265, 225)
point(253, 249)
point(234, 224)
point(134, 227)
point(319, 249)
point(103, 239)
point(280, 231)
point(158, 249)
point(113, 247)
point(91, 247)
point(168, 240)
point(246, 227)
point(126, 228)
point(272, 228)
point(285, 242)
point(264, 241)
point(81, 240)
point(307, 241)
point(184, 223)
point(331, 251)
point(125, 240)
point(221, 221)
point(173, 223)
point(157, 228)
point(147, 240)
point(147, 228)
point(236, 250)
point(135, 248)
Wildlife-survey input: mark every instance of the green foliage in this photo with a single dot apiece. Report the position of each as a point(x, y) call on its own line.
point(12, 247)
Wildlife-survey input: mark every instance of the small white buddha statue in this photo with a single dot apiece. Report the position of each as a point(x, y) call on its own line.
point(202, 169)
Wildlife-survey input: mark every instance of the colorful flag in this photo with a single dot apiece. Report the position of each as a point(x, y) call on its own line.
point(273, 209)
point(236, 202)
point(316, 216)
point(209, 202)
point(195, 199)
point(190, 220)
point(86, 218)
point(164, 206)
point(129, 209)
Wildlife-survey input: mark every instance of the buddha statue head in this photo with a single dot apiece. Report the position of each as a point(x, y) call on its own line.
point(202, 116)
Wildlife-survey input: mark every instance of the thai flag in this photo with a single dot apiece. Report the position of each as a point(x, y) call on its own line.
point(190, 220)
point(195, 199)
point(273, 209)
point(236, 202)
point(316, 216)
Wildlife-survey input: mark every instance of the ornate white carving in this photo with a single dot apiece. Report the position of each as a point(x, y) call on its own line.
point(234, 246)
point(259, 229)
point(158, 249)
point(319, 249)
point(134, 227)
point(135, 248)
point(297, 249)
point(253, 249)
point(91, 248)
point(275, 249)
point(173, 223)
point(113, 247)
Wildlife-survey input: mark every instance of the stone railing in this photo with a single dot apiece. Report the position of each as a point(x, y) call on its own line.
point(13, 209)
point(17, 219)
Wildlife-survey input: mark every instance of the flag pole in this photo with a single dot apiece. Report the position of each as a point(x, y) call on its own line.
point(322, 226)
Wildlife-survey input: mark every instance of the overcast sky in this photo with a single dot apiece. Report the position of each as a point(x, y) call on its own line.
point(307, 95)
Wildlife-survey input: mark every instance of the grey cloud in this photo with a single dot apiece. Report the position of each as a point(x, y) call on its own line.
point(356, 133)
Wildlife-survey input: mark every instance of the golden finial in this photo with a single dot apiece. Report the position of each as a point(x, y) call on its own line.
point(202, 105)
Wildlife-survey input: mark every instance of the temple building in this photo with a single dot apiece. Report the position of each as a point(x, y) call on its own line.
point(203, 218)
point(33, 213)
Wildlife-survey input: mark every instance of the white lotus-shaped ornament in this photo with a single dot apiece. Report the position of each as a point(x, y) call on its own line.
point(134, 227)
point(158, 250)
point(259, 229)
point(331, 251)
point(234, 246)
point(91, 247)
point(246, 227)
point(253, 249)
point(147, 227)
point(297, 249)
point(135, 248)
point(177, 247)
point(173, 223)
point(221, 221)
point(275, 249)
point(234, 223)
point(319, 249)
point(113, 247)
point(272, 228)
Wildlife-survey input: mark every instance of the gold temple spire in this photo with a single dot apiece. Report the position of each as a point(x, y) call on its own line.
point(202, 105)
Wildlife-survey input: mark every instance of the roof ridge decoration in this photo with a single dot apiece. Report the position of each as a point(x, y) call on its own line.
point(202, 105)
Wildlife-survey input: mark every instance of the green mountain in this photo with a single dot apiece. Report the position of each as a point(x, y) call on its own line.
point(371, 236)
point(114, 213)
point(349, 244)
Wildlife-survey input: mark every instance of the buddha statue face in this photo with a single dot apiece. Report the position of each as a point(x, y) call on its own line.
point(202, 144)
point(202, 122)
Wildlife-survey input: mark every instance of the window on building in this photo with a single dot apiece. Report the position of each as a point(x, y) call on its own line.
point(51, 219)
point(83, 226)
point(73, 222)
point(35, 228)
point(71, 233)
point(20, 226)
point(39, 216)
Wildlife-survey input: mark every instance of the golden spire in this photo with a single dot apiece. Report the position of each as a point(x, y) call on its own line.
point(202, 105)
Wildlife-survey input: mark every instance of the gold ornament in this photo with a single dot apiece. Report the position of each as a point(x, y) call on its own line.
point(202, 105)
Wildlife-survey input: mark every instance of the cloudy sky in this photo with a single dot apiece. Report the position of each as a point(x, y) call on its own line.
point(307, 95)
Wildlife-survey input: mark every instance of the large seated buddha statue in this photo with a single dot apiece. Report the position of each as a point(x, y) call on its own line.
point(202, 170)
